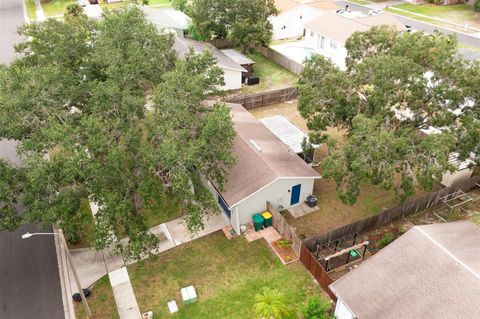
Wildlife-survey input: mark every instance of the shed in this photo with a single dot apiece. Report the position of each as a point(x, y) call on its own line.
point(232, 70)
point(432, 271)
point(266, 170)
point(241, 59)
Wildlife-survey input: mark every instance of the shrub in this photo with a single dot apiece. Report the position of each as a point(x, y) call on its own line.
point(283, 243)
point(271, 304)
point(476, 6)
point(386, 239)
point(316, 308)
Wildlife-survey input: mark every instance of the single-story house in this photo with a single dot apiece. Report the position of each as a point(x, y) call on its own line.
point(232, 70)
point(266, 170)
point(432, 271)
point(327, 34)
point(292, 16)
point(168, 19)
point(241, 59)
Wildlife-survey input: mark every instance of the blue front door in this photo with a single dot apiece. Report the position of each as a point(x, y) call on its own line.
point(295, 194)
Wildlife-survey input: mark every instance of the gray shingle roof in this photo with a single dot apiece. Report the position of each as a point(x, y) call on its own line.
point(182, 45)
point(432, 271)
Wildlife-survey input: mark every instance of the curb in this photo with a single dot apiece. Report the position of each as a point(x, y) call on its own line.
point(65, 284)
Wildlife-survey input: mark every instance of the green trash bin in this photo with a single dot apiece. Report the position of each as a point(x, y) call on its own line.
point(257, 222)
point(267, 219)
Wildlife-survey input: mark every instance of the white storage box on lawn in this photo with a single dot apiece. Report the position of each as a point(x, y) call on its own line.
point(188, 295)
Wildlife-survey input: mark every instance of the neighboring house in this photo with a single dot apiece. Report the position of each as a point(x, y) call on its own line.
point(232, 70)
point(168, 19)
point(241, 59)
point(327, 34)
point(292, 16)
point(265, 170)
point(432, 271)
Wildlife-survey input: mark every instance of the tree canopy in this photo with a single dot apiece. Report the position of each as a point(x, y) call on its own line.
point(104, 111)
point(394, 85)
point(244, 22)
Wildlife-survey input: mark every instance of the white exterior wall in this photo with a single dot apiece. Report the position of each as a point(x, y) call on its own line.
point(289, 24)
point(451, 178)
point(342, 312)
point(278, 193)
point(232, 79)
point(331, 49)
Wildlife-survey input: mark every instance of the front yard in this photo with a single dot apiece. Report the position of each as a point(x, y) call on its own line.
point(461, 14)
point(226, 275)
point(101, 301)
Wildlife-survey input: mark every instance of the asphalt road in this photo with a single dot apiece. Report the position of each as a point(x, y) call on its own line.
point(419, 25)
point(29, 277)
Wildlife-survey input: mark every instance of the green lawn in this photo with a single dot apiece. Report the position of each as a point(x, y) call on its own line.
point(226, 274)
point(55, 7)
point(458, 13)
point(112, 6)
point(30, 5)
point(272, 76)
point(162, 3)
point(163, 209)
point(101, 301)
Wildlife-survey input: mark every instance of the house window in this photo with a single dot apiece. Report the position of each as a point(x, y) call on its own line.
point(333, 45)
point(321, 41)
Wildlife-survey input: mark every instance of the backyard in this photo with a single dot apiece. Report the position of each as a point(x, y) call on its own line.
point(332, 212)
point(226, 275)
point(272, 76)
point(461, 14)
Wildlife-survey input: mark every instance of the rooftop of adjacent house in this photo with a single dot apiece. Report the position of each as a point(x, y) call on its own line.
point(238, 57)
point(261, 158)
point(432, 271)
point(285, 5)
point(182, 46)
point(167, 17)
point(286, 131)
point(339, 28)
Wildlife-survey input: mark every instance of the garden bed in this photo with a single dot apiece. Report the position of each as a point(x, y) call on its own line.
point(283, 249)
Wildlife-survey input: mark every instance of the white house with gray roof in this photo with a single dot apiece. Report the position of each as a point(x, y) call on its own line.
point(168, 19)
point(266, 170)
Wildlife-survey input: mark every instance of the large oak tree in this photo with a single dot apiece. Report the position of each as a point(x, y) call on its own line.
point(394, 84)
point(103, 110)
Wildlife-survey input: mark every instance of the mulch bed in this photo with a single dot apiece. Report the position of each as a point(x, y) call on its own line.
point(286, 253)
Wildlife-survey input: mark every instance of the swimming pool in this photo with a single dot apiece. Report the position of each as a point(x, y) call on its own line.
point(298, 52)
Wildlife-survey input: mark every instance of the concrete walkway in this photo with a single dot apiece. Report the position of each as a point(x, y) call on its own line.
point(39, 11)
point(92, 265)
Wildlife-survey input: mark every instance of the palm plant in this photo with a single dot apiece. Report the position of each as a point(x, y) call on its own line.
point(271, 304)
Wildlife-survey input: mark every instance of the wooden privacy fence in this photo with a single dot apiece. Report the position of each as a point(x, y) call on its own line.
point(317, 271)
point(265, 98)
point(284, 229)
point(280, 59)
point(388, 215)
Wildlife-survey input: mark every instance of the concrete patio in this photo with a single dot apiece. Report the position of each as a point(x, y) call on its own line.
point(301, 210)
